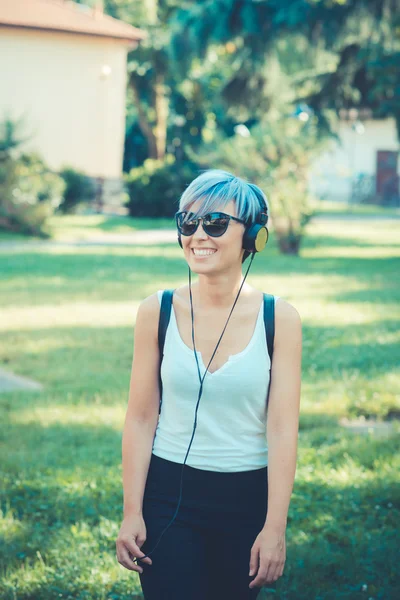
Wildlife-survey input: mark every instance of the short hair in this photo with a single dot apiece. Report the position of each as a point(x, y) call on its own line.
point(216, 188)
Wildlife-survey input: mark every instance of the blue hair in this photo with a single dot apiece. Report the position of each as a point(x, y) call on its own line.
point(216, 188)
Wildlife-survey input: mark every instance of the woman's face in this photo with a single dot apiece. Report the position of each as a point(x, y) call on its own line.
point(222, 252)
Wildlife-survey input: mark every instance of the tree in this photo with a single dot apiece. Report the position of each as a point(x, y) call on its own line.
point(170, 109)
point(355, 45)
point(275, 154)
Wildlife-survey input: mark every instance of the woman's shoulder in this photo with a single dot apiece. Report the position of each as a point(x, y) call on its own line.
point(287, 320)
point(149, 307)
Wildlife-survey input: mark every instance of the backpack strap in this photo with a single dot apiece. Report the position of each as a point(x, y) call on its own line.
point(165, 315)
point(269, 324)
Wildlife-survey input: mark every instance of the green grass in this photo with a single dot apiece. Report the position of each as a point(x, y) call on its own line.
point(67, 319)
point(88, 227)
point(329, 208)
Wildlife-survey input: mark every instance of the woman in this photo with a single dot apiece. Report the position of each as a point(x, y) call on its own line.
point(226, 462)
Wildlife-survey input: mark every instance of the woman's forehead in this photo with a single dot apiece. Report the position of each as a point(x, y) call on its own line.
point(199, 206)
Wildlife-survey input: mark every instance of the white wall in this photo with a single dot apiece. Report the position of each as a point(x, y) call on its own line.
point(332, 174)
point(76, 115)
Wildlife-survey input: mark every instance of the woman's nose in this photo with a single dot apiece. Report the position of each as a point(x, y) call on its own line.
point(200, 233)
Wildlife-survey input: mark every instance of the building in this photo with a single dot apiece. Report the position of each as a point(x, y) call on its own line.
point(362, 164)
point(63, 70)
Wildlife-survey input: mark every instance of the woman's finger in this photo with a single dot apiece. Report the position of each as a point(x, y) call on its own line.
point(124, 560)
point(260, 579)
point(136, 551)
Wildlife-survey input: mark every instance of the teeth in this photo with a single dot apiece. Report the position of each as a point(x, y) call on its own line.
point(203, 252)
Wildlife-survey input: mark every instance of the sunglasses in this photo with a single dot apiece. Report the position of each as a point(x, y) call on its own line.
point(214, 224)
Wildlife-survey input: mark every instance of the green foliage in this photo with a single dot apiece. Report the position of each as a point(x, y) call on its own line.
point(276, 156)
point(79, 188)
point(155, 188)
point(10, 137)
point(351, 51)
point(159, 96)
point(29, 190)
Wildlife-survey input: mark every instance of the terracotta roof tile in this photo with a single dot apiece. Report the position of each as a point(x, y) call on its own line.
point(67, 16)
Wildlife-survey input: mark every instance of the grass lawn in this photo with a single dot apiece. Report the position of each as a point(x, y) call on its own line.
point(67, 318)
point(90, 226)
point(337, 209)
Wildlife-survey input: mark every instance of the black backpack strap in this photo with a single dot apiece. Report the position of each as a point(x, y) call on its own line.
point(165, 314)
point(269, 324)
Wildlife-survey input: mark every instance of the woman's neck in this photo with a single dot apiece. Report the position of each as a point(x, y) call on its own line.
point(219, 291)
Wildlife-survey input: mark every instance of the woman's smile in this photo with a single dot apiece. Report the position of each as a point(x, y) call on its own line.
point(203, 252)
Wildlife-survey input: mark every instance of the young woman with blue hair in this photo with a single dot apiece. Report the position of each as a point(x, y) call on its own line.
point(207, 483)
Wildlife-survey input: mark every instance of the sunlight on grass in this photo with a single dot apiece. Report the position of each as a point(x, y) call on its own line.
point(109, 314)
point(91, 416)
point(69, 551)
point(169, 251)
point(99, 314)
point(77, 220)
point(350, 251)
point(366, 233)
point(326, 207)
point(87, 227)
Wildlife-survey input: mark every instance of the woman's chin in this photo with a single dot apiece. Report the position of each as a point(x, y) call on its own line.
point(202, 266)
point(199, 268)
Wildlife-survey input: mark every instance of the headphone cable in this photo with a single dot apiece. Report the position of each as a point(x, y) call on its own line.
point(201, 379)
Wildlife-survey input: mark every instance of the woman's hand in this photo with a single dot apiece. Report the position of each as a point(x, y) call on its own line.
point(131, 537)
point(267, 557)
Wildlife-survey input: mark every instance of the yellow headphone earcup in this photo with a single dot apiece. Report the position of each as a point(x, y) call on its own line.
point(261, 239)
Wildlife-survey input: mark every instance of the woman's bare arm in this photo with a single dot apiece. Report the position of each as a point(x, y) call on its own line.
point(143, 406)
point(283, 413)
point(268, 553)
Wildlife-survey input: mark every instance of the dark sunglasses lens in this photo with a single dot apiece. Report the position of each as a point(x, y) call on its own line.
point(186, 227)
point(216, 227)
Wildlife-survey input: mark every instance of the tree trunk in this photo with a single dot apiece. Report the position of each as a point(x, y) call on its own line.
point(157, 135)
point(289, 245)
point(161, 102)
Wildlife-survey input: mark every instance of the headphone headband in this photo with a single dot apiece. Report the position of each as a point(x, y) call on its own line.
point(262, 216)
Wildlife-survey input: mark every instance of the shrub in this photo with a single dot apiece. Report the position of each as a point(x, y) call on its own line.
point(155, 187)
point(29, 190)
point(79, 188)
point(29, 193)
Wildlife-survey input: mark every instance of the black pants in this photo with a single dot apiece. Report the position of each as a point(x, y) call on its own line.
point(205, 553)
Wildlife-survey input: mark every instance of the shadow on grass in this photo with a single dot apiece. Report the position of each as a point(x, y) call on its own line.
point(351, 347)
point(336, 535)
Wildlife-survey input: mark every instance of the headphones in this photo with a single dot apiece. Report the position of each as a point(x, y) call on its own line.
point(256, 232)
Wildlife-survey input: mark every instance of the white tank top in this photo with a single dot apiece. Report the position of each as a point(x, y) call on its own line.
point(231, 418)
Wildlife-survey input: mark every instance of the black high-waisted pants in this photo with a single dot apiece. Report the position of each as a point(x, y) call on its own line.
point(205, 553)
